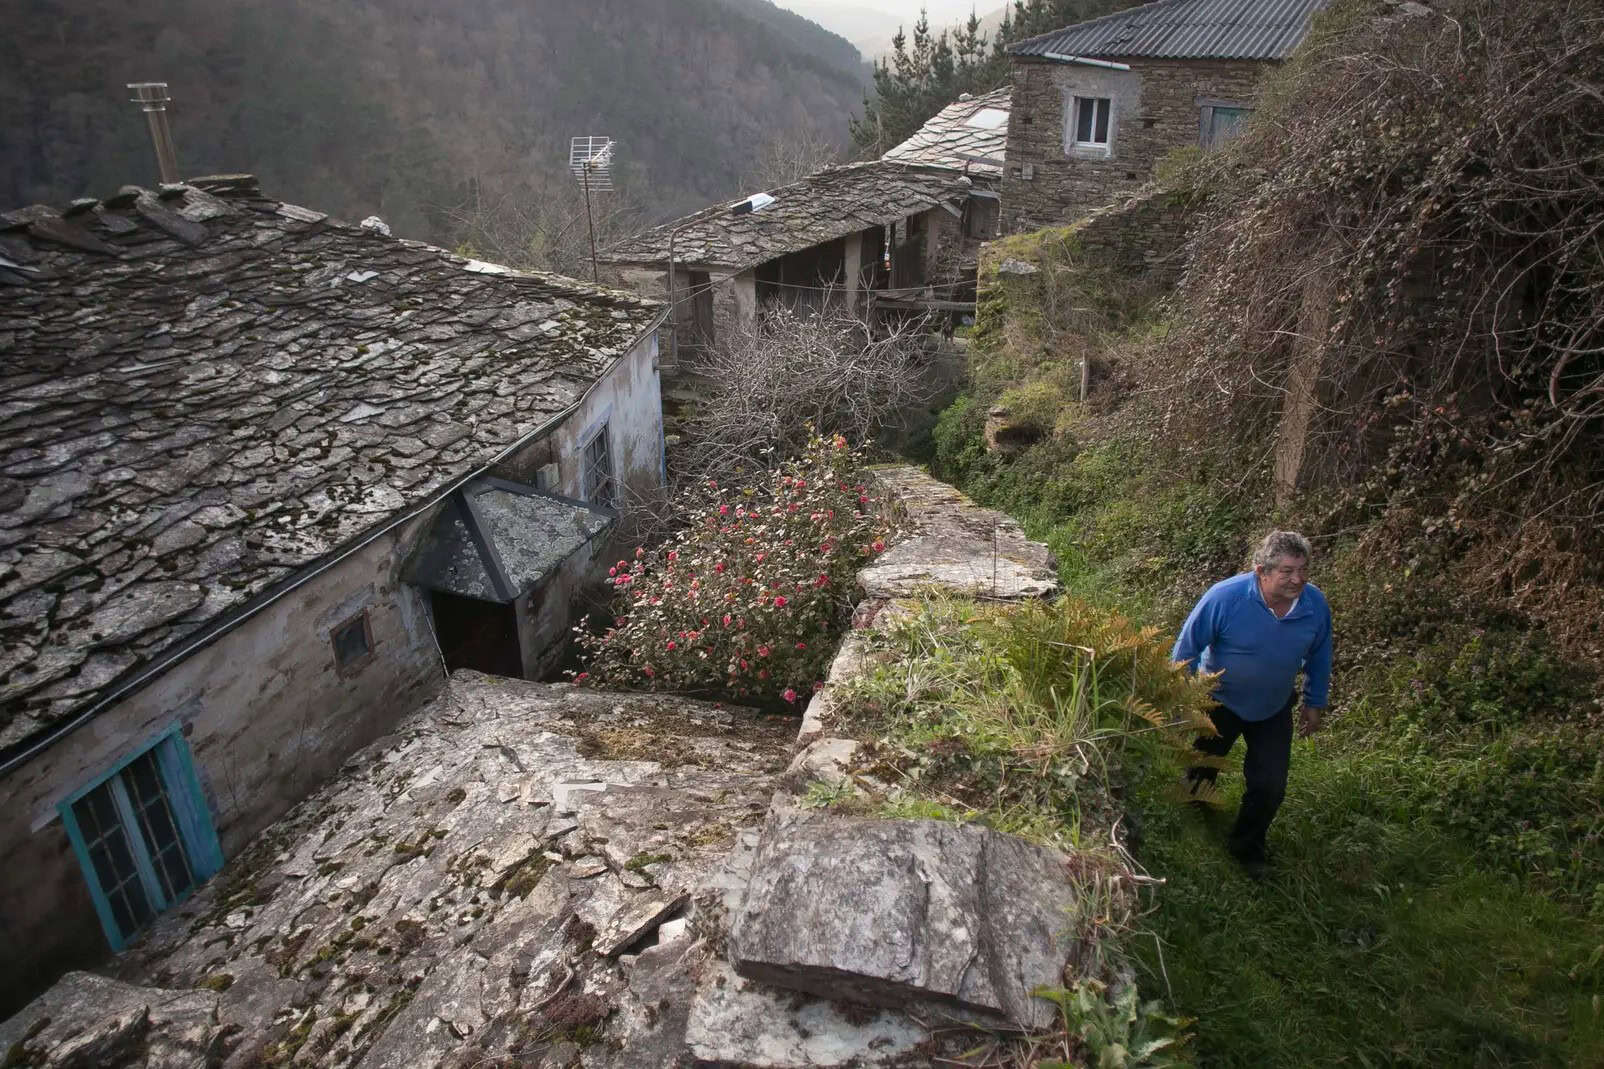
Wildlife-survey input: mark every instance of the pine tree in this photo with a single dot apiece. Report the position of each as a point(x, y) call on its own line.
point(916, 81)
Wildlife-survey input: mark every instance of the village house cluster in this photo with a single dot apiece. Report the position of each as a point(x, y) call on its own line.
point(265, 477)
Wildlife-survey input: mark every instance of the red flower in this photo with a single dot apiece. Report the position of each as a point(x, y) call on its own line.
point(745, 664)
point(863, 499)
point(789, 695)
point(581, 677)
point(723, 510)
point(719, 567)
point(672, 645)
point(801, 645)
point(726, 619)
point(647, 671)
point(779, 601)
point(762, 651)
point(673, 555)
point(822, 580)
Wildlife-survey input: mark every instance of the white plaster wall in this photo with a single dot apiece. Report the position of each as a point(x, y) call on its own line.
point(629, 400)
point(268, 718)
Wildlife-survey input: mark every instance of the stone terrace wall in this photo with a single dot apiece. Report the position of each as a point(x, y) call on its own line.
point(1156, 109)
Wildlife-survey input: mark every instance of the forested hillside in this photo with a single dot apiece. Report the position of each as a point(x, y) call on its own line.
point(410, 109)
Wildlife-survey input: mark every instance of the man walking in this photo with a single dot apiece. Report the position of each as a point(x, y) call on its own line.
point(1259, 629)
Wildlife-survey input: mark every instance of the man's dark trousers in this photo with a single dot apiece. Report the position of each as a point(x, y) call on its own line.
point(1264, 771)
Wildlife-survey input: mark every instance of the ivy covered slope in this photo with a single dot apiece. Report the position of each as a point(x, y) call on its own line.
point(1387, 334)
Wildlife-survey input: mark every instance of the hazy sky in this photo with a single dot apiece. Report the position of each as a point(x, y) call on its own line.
point(941, 11)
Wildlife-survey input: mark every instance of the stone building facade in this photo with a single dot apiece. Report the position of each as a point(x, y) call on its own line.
point(1096, 105)
point(1155, 106)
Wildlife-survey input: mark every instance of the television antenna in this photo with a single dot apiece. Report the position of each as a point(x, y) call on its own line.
point(591, 160)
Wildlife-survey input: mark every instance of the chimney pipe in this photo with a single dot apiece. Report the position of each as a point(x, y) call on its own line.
point(153, 100)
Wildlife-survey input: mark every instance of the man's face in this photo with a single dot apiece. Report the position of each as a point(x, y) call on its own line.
point(1283, 578)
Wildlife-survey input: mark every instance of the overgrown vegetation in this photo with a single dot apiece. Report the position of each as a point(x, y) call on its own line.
point(1020, 717)
point(1399, 244)
point(748, 600)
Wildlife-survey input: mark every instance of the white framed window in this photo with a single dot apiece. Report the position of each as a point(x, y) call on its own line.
point(597, 478)
point(143, 835)
point(1091, 123)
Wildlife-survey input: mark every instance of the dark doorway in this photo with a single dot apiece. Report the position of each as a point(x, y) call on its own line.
point(477, 634)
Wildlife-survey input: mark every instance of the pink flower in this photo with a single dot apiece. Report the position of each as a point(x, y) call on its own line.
point(779, 601)
point(818, 685)
point(789, 695)
point(620, 621)
point(760, 557)
point(639, 553)
point(822, 580)
point(879, 546)
point(581, 677)
point(648, 672)
point(673, 555)
point(800, 483)
point(745, 664)
point(712, 484)
point(672, 645)
point(762, 651)
point(612, 571)
point(863, 499)
point(840, 442)
point(801, 645)
point(719, 567)
point(726, 619)
point(723, 510)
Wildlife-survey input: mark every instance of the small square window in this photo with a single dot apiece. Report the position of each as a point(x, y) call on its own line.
point(1091, 121)
point(353, 642)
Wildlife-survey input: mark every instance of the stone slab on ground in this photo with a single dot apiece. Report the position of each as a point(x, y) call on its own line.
point(953, 545)
point(87, 1020)
point(897, 912)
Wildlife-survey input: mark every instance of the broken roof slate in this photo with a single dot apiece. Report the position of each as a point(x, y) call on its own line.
point(1183, 29)
point(204, 392)
point(968, 134)
point(823, 206)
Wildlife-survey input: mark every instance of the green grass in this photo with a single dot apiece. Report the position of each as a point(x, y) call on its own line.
point(1374, 941)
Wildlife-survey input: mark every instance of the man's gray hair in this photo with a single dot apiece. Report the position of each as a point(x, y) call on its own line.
point(1279, 544)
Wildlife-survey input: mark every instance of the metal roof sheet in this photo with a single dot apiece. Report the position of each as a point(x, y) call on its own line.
point(1184, 29)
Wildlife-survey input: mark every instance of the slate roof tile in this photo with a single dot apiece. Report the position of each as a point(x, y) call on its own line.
point(204, 392)
point(966, 134)
point(823, 206)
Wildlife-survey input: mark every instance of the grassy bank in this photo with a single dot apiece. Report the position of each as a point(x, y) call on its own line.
point(1436, 893)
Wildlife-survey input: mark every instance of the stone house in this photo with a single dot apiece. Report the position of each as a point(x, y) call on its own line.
point(896, 232)
point(261, 473)
point(1096, 105)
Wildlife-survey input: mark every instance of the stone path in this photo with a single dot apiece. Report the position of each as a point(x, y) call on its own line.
point(535, 875)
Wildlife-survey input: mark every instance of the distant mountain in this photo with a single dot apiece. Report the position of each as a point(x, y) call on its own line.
point(871, 30)
point(405, 107)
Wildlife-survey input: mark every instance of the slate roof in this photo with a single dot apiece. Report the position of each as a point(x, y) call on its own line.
point(205, 393)
point(823, 206)
point(496, 539)
point(963, 135)
point(1184, 29)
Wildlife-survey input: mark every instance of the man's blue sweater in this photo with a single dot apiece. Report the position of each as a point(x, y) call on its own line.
point(1232, 630)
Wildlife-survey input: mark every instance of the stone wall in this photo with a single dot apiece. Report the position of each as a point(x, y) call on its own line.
point(1156, 108)
point(267, 715)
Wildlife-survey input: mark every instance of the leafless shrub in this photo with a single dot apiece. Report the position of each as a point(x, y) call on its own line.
point(791, 156)
point(791, 373)
point(1414, 223)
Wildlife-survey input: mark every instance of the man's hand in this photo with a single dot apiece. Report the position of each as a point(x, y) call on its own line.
point(1309, 721)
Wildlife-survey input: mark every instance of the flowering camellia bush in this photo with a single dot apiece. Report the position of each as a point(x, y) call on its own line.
point(747, 600)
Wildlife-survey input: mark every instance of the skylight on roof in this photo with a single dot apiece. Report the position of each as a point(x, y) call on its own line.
point(988, 119)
